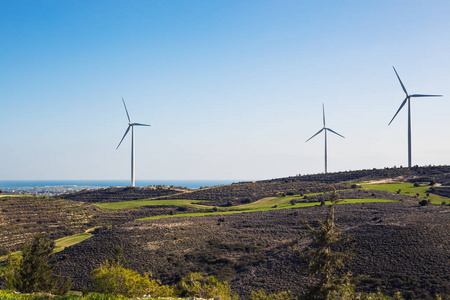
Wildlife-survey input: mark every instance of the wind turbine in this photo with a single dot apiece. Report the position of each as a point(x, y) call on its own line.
point(408, 98)
point(130, 125)
point(325, 128)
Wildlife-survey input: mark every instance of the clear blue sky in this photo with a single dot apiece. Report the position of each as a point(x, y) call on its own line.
point(232, 89)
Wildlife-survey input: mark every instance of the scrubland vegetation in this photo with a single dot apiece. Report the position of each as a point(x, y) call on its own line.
point(248, 240)
point(115, 194)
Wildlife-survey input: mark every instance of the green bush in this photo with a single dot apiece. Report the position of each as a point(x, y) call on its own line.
point(423, 203)
point(261, 295)
point(8, 295)
point(116, 280)
point(196, 285)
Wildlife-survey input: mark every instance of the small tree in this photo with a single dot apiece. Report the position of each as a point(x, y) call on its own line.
point(118, 259)
point(34, 271)
point(324, 261)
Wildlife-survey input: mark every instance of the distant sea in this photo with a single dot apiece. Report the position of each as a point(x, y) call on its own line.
point(192, 184)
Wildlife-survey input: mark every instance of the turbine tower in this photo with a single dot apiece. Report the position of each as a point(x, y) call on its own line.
point(408, 98)
point(325, 128)
point(131, 125)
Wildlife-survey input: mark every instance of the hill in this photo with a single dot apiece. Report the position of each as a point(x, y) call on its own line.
point(398, 245)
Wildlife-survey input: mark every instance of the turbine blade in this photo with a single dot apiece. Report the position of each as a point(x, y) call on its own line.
point(401, 106)
point(315, 134)
point(129, 121)
point(128, 129)
point(403, 87)
point(139, 124)
point(420, 95)
point(335, 132)
point(323, 111)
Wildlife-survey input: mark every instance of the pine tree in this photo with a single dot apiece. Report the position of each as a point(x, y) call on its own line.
point(34, 271)
point(324, 261)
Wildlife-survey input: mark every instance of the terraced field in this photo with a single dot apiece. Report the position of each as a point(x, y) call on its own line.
point(22, 217)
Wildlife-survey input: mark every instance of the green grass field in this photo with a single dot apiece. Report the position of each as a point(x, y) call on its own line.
point(149, 202)
point(68, 241)
point(271, 203)
point(407, 189)
point(264, 207)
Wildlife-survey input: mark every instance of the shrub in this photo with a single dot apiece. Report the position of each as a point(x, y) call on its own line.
point(416, 184)
point(292, 201)
point(322, 201)
point(116, 280)
point(4, 251)
point(196, 285)
point(246, 201)
point(423, 203)
point(261, 295)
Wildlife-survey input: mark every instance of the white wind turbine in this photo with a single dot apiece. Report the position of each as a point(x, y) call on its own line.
point(408, 98)
point(325, 128)
point(130, 125)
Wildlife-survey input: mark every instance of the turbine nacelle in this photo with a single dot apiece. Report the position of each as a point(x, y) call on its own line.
point(408, 96)
point(130, 124)
point(324, 126)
